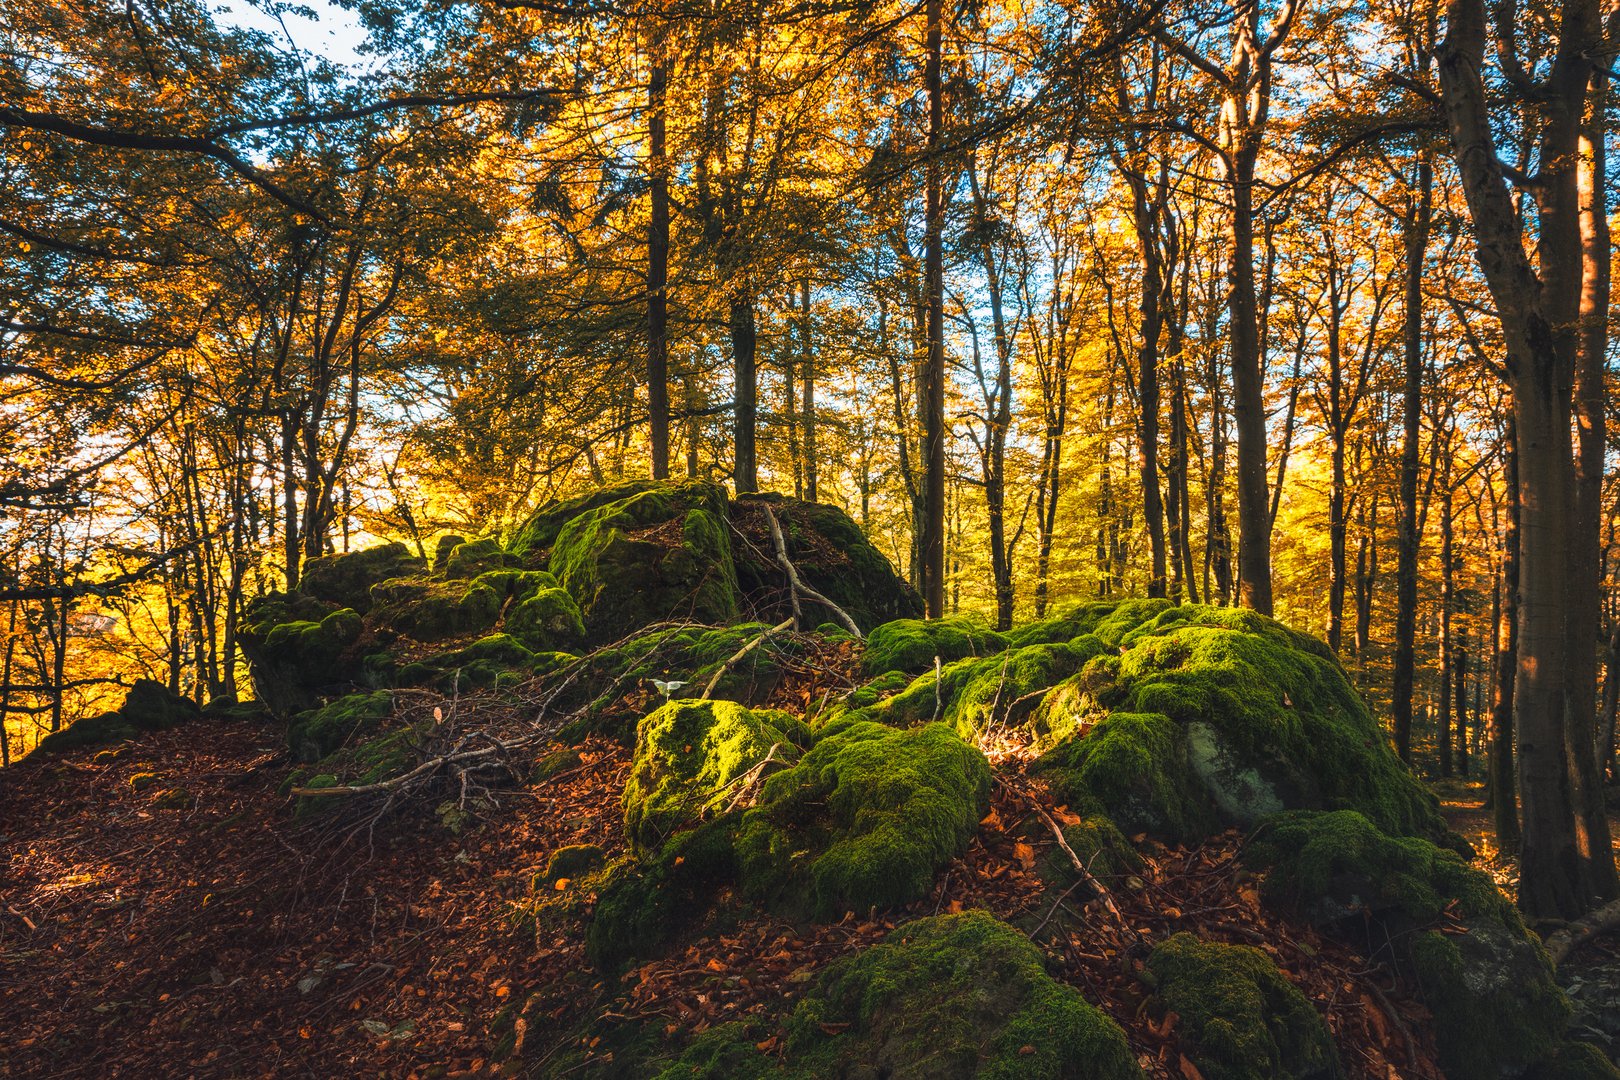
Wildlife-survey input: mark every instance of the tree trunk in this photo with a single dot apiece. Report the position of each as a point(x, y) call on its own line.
point(743, 344)
point(1443, 731)
point(1406, 524)
point(1249, 399)
point(1459, 695)
point(658, 264)
point(809, 361)
point(1503, 792)
point(932, 389)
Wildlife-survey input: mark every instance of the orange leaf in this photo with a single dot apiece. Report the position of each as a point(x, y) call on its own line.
point(1026, 855)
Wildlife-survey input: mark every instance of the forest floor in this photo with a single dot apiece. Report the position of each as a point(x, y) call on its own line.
point(221, 936)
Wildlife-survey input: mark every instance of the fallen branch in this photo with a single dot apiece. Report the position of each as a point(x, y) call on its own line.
point(797, 587)
point(1561, 943)
point(1080, 867)
point(737, 657)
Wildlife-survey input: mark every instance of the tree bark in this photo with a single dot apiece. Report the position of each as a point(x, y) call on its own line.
point(1503, 792)
point(811, 465)
point(933, 369)
point(658, 264)
point(1408, 533)
point(746, 372)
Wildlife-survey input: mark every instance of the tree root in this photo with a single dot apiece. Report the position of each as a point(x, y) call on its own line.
point(796, 586)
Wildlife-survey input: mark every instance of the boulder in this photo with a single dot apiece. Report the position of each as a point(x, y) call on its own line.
point(1241, 1019)
point(661, 554)
point(346, 580)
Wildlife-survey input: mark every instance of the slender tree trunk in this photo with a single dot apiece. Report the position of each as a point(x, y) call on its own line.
point(658, 263)
point(1407, 530)
point(933, 380)
point(743, 344)
point(1503, 792)
point(1443, 731)
point(5, 685)
point(289, 497)
point(811, 465)
point(1249, 400)
point(1461, 698)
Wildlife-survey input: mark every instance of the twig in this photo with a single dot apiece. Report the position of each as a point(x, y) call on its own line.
point(736, 657)
point(796, 586)
point(1080, 868)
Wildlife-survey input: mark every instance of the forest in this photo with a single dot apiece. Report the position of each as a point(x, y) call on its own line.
point(1037, 344)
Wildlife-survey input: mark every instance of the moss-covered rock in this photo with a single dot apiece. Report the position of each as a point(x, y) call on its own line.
point(148, 706)
point(976, 694)
point(1575, 1061)
point(97, 730)
point(662, 554)
point(434, 610)
point(315, 734)
point(643, 906)
point(1497, 1011)
point(1238, 716)
point(546, 620)
point(293, 660)
point(540, 531)
point(1241, 1019)
point(571, 862)
point(911, 645)
point(832, 556)
point(177, 798)
point(468, 560)
point(953, 996)
point(346, 580)
point(865, 819)
point(690, 758)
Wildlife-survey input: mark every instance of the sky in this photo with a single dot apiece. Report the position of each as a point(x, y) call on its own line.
point(333, 33)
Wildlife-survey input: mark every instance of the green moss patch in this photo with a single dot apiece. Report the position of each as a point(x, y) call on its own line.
point(953, 996)
point(1262, 719)
point(315, 734)
point(658, 555)
point(346, 580)
point(1133, 766)
point(1241, 1019)
point(865, 819)
point(977, 694)
point(293, 661)
point(643, 906)
point(1487, 981)
point(692, 758)
point(912, 644)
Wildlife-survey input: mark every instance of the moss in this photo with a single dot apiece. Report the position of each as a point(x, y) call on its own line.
point(726, 1052)
point(475, 557)
point(502, 649)
point(1134, 766)
point(690, 758)
point(174, 799)
point(346, 580)
point(541, 529)
point(974, 695)
point(315, 734)
point(1241, 1019)
point(558, 761)
point(624, 564)
point(442, 547)
point(832, 555)
point(1099, 844)
point(953, 996)
point(292, 661)
point(1496, 1008)
point(142, 781)
point(865, 819)
point(687, 654)
point(643, 906)
point(433, 610)
point(1575, 1061)
point(546, 620)
point(98, 730)
point(572, 862)
point(912, 644)
point(1267, 718)
point(149, 706)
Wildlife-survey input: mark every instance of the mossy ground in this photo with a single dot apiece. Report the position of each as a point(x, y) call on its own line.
point(691, 758)
point(865, 819)
point(1487, 981)
point(1243, 1019)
